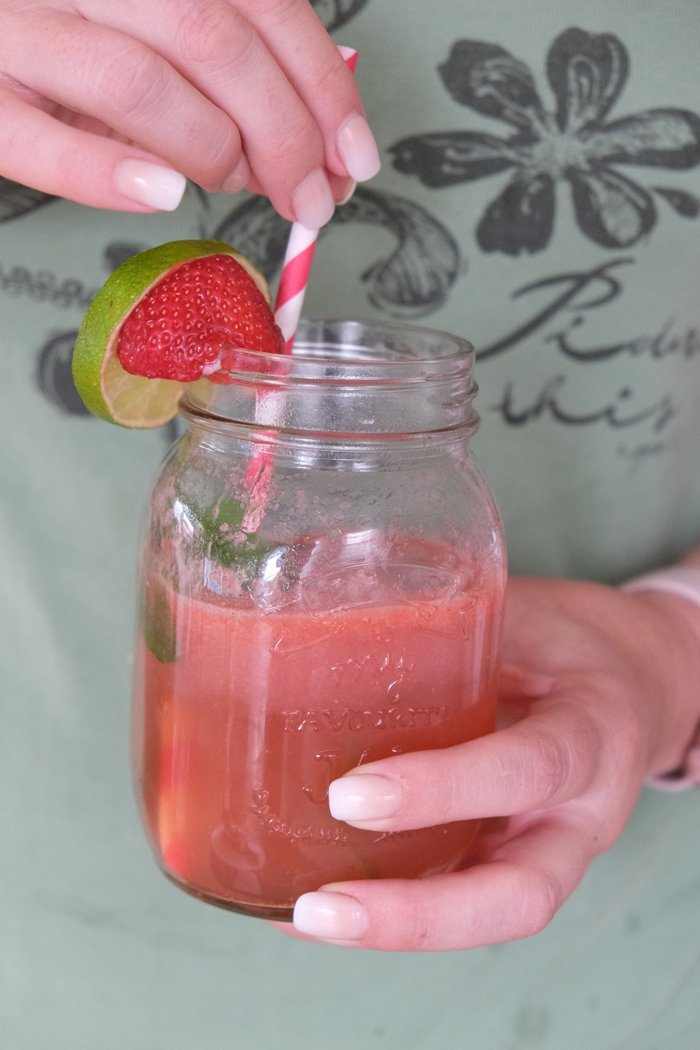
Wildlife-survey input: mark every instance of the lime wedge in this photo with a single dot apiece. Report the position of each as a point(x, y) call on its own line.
point(107, 389)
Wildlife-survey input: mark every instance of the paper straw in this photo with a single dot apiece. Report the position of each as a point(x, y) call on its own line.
point(349, 56)
point(298, 258)
point(289, 302)
point(294, 280)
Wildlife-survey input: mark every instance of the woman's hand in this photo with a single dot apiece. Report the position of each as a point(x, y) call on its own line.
point(112, 103)
point(600, 689)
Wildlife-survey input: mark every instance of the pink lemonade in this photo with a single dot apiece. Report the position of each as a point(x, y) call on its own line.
point(239, 736)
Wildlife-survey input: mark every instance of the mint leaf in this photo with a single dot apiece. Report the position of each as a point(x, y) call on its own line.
point(158, 624)
point(219, 536)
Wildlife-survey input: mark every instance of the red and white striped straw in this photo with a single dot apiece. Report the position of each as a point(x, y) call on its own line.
point(294, 280)
point(298, 258)
point(289, 302)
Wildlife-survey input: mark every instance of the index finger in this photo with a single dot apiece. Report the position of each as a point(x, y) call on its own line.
point(549, 757)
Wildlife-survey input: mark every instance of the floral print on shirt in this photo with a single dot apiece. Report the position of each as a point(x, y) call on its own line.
point(573, 143)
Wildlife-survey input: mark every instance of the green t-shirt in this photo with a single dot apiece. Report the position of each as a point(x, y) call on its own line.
point(540, 195)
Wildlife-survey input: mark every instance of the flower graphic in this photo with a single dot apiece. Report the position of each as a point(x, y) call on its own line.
point(572, 144)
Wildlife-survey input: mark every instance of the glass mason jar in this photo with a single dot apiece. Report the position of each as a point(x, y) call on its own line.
point(321, 577)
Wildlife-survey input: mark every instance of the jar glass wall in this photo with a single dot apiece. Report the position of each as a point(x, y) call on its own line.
point(321, 578)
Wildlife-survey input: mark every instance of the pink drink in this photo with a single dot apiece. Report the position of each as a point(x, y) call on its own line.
point(238, 738)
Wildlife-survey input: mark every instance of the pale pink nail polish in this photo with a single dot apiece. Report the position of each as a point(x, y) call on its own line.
point(357, 148)
point(151, 184)
point(363, 796)
point(332, 916)
point(349, 190)
point(313, 202)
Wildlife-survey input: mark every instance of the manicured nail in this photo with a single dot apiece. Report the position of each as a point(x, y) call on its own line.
point(238, 179)
point(363, 796)
point(332, 916)
point(357, 148)
point(347, 193)
point(312, 201)
point(152, 184)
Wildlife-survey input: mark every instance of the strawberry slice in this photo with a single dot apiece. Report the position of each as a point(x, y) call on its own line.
point(202, 307)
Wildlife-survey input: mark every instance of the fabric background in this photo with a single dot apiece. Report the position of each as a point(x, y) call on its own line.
point(96, 948)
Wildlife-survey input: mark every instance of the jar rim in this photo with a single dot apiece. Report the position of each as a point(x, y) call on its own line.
point(375, 364)
point(352, 352)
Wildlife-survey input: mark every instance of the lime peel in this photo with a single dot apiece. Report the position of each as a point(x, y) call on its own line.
point(107, 389)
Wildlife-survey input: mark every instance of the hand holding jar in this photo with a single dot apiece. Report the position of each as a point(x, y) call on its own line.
point(600, 688)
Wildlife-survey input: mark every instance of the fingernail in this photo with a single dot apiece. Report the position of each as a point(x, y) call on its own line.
point(152, 184)
point(363, 796)
point(238, 179)
point(312, 201)
point(357, 148)
point(347, 193)
point(332, 916)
